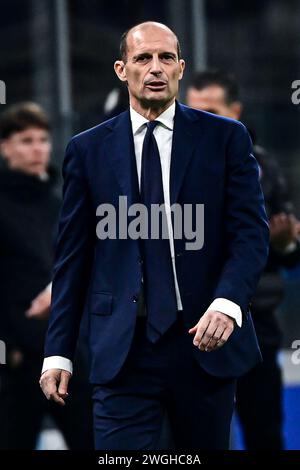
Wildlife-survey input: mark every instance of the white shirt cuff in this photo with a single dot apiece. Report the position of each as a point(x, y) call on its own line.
point(228, 307)
point(57, 362)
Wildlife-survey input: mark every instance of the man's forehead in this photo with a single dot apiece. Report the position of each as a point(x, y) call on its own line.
point(151, 39)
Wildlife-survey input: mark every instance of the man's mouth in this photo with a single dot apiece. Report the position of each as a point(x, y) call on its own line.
point(156, 85)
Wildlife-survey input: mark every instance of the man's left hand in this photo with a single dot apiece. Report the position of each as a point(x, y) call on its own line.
point(212, 330)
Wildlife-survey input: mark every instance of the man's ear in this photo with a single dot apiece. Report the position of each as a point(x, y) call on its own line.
point(182, 67)
point(119, 67)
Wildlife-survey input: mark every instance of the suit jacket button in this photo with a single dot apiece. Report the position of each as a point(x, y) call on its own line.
point(134, 299)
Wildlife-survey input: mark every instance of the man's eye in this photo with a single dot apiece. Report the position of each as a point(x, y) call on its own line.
point(168, 57)
point(142, 59)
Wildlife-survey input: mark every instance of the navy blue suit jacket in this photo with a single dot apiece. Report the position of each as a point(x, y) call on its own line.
point(211, 164)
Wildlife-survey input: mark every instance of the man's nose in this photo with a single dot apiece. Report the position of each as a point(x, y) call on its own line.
point(156, 68)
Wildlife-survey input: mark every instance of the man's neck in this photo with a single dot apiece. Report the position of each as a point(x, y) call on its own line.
point(150, 113)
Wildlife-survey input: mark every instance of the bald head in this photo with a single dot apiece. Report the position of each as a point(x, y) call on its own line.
point(135, 32)
point(150, 67)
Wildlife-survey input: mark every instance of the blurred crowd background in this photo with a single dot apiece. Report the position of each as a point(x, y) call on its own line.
point(60, 54)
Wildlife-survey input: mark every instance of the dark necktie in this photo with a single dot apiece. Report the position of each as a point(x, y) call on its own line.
point(159, 288)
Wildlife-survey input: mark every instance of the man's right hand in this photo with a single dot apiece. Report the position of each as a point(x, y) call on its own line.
point(54, 383)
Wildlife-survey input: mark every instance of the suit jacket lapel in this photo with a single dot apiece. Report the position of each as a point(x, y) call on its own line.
point(184, 140)
point(119, 146)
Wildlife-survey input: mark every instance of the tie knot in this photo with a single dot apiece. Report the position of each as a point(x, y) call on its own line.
point(151, 125)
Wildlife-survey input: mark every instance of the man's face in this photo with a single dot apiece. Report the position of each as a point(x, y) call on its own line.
point(213, 99)
point(152, 70)
point(28, 150)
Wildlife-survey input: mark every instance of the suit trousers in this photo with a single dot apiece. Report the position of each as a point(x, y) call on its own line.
point(158, 378)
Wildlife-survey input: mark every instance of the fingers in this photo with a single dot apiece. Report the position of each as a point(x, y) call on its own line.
point(64, 382)
point(212, 331)
point(201, 330)
point(50, 390)
point(55, 397)
point(216, 340)
point(227, 332)
point(194, 329)
point(207, 337)
point(49, 382)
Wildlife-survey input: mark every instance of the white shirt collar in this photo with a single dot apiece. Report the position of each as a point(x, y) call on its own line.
point(166, 118)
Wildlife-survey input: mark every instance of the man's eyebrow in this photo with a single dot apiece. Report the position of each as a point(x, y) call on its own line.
point(149, 54)
point(168, 53)
point(141, 54)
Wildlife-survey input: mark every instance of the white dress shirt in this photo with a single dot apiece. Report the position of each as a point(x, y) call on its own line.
point(163, 134)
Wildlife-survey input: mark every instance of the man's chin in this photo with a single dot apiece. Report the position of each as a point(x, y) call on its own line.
point(156, 100)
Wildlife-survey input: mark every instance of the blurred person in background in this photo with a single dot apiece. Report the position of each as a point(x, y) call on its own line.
point(116, 102)
point(259, 392)
point(28, 218)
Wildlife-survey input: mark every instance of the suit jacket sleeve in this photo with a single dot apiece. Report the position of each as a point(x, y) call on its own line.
point(73, 258)
point(246, 228)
